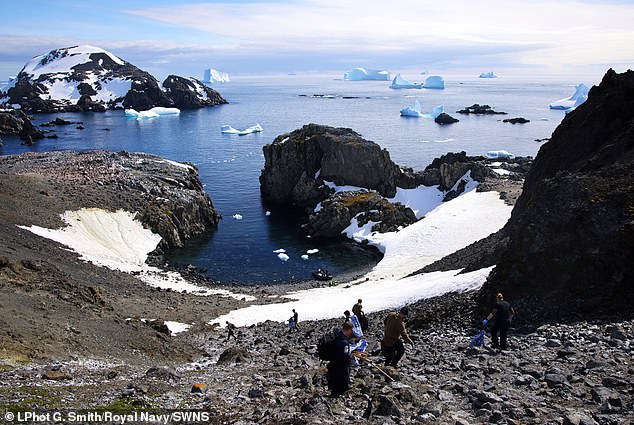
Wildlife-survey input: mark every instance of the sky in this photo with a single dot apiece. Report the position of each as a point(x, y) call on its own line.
point(296, 36)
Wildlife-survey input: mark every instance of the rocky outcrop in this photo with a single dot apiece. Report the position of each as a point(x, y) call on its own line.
point(168, 197)
point(86, 78)
point(189, 93)
point(478, 109)
point(297, 163)
point(338, 210)
point(518, 120)
point(17, 122)
point(571, 248)
point(445, 118)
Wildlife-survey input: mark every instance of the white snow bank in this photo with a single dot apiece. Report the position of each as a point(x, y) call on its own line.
point(488, 75)
point(434, 82)
point(401, 83)
point(119, 242)
point(211, 76)
point(581, 93)
point(227, 129)
point(176, 327)
point(359, 74)
point(329, 302)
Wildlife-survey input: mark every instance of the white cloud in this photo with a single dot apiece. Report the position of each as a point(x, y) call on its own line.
point(560, 32)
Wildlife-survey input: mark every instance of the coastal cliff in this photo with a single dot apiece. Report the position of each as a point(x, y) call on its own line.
point(571, 235)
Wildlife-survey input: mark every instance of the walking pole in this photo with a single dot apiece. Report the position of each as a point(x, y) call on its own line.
point(363, 358)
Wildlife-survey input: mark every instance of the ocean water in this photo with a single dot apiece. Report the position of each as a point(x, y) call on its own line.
point(241, 251)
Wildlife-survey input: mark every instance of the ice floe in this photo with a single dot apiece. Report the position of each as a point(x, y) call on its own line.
point(312, 251)
point(434, 82)
point(237, 216)
point(500, 154)
point(151, 113)
point(283, 256)
point(227, 129)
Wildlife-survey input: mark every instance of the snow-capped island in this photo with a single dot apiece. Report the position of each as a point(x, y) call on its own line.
point(88, 78)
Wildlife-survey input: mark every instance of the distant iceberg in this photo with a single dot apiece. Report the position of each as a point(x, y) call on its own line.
point(488, 75)
point(360, 74)
point(211, 76)
point(581, 93)
point(227, 129)
point(151, 113)
point(500, 155)
point(434, 82)
point(412, 111)
point(401, 83)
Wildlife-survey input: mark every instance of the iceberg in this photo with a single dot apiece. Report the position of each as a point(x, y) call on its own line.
point(401, 83)
point(500, 154)
point(151, 113)
point(412, 111)
point(360, 74)
point(227, 129)
point(488, 75)
point(165, 111)
point(211, 76)
point(577, 103)
point(581, 93)
point(434, 82)
point(283, 257)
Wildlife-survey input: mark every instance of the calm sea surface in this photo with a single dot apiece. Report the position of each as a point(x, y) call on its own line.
point(229, 165)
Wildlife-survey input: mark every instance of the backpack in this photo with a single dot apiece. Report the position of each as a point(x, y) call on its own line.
point(326, 346)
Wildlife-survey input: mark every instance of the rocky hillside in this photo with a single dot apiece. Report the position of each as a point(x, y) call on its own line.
point(168, 196)
point(87, 78)
point(571, 247)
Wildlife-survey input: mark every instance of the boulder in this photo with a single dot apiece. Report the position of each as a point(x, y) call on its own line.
point(338, 210)
point(518, 120)
point(572, 229)
point(445, 118)
point(17, 122)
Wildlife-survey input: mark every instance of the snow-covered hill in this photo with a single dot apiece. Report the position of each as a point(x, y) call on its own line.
point(88, 78)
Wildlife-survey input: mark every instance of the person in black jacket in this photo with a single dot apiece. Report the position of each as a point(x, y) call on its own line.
point(503, 313)
point(339, 366)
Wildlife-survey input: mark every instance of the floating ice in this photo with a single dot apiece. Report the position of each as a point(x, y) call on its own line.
point(237, 216)
point(359, 74)
point(500, 154)
point(131, 113)
point(401, 83)
point(227, 129)
point(268, 213)
point(312, 251)
point(280, 251)
point(283, 256)
point(147, 114)
point(434, 82)
point(577, 103)
point(488, 75)
point(581, 93)
point(412, 111)
point(212, 76)
point(165, 111)
point(304, 257)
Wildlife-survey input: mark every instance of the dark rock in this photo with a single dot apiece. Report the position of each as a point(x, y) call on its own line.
point(388, 406)
point(555, 380)
point(579, 193)
point(479, 110)
point(577, 418)
point(17, 122)
point(162, 373)
point(159, 326)
point(445, 118)
point(256, 393)
point(185, 93)
point(518, 120)
point(233, 355)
